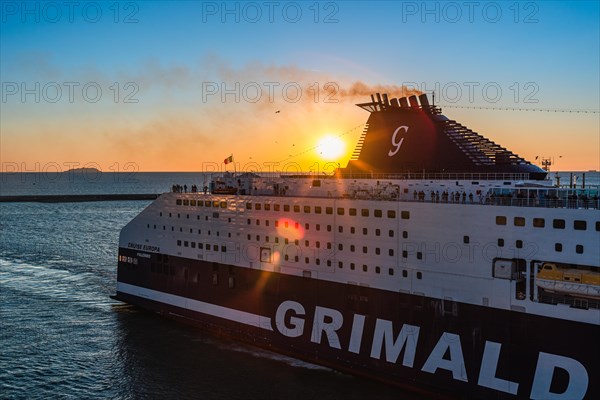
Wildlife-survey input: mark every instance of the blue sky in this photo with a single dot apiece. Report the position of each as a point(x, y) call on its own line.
point(549, 50)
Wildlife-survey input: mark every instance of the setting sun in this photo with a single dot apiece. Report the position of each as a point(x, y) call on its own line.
point(331, 148)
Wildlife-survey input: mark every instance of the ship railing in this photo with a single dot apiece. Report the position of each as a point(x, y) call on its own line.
point(444, 198)
point(485, 199)
point(544, 203)
point(450, 176)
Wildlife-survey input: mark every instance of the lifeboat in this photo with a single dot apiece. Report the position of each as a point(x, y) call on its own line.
point(569, 281)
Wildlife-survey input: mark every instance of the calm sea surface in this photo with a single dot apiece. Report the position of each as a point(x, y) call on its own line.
point(61, 336)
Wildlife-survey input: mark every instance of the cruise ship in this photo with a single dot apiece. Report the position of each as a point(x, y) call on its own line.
point(436, 259)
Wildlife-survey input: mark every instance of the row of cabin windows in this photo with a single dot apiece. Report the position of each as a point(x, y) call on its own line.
point(201, 203)
point(365, 268)
point(187, 216)
point(164, 227)
point(329, 246)
point(365, 231)
point(578, 225)
point(201, 246)
point(365, 212)
point(558, 247)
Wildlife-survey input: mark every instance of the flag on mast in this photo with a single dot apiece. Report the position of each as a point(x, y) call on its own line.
point(228, 159)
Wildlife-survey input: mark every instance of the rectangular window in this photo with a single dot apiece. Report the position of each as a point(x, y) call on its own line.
point(296, 208)
point(405, 214)
point(500, 242)
point(178, 202)
point(186, 244)
point(307, 209)
point(186, 202)
point(276, 207)
point(267, 207)
point(340, 211)
point(352, 212)
point(207, 203)
point(519, 221)
point(465, 239)
point(579, 249)
point(257, 206)
point(328, 210)
point(391, 213)
point(377, 213)
point(179, 243)
point(364, 212)
point(318, 210)
point(539, 222)
point(500, 220)
point(558, 224)
point(223, 204)
point(286, 207)
point(248, 206)
point(193, 203)
point(579, 225)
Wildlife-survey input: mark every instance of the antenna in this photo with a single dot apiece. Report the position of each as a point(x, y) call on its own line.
point(433, 98)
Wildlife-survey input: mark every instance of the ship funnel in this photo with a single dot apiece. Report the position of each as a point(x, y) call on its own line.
point(378, 97)
point(385, 99)
point(424, 100)
point(413, 101)
point(403, 102)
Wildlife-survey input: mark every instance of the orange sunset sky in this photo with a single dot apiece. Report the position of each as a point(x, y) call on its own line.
point(178, 88)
